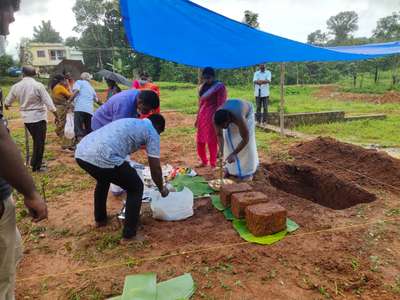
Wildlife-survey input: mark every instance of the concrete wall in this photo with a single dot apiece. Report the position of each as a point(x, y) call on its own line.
point(293, 120)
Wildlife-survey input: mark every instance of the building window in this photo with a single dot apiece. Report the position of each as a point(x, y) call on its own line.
point(60, 54)
point(41, 53)
point(52, 54)
point(57, 54)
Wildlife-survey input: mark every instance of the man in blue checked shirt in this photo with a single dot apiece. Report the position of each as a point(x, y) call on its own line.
point(102, 154)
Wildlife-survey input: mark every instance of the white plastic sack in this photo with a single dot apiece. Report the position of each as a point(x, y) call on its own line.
point(115, 189)
point(176, 206)
point(69, 132)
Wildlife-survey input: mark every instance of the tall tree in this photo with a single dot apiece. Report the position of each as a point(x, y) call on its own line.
point(317, 38)
point(342, 25)
point(45, 33)
point(72, 41)
point(6, 61)
point(251, 19)
point(89, 15)
point(388, 28)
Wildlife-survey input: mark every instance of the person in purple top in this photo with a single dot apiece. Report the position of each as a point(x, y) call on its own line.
point(127, 104)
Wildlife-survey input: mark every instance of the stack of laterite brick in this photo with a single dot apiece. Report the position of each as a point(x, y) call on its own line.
point(262, 217)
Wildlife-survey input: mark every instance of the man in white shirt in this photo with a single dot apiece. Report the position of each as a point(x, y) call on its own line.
point(34, 102)
point(261, 80)
point(86, 96)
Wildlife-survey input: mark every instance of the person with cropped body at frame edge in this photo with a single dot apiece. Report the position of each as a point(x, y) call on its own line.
point(13, 174)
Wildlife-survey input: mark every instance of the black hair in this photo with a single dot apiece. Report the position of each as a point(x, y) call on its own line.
point(222, 116)
point(29, 71)
point(150, 99)
point(158, 122)
point(208, 71)
point(56, 80)
point(143, 74)
point(6, 3)
point(111, 82)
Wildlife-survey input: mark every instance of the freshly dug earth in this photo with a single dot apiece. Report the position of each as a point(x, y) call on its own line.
point(265, 218)
point(380, 167)
point(317, 185)
point(333, 92)
point(241, 200)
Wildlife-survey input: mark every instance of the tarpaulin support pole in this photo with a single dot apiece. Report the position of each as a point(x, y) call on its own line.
point(282, 103)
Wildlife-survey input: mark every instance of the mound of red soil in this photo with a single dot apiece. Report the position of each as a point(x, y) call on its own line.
point(333, 92)
point(317, 185)
point(390, 97)
point(378, 166)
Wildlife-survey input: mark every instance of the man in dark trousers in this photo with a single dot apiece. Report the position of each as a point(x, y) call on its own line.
point(34, 102)
point(12, 173)
point(102, 154)
point(261, 80)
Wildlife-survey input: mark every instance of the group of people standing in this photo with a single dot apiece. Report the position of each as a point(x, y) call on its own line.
point(35, 102)
point(66, 96)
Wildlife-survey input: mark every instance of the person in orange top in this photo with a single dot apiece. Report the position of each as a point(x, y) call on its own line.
point(62, 98)
point(144, 83)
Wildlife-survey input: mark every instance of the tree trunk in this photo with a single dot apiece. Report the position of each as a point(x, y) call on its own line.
point(395, 70)
point(354, 80)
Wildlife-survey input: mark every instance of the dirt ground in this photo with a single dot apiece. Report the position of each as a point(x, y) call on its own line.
point(351, 253)
point(333, 92)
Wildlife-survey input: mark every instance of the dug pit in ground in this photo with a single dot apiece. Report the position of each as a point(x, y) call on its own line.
point(323, 152)
point(317, 185)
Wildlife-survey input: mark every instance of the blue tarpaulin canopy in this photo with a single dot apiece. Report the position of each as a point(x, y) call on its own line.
point(184, 32)
point(371, 49)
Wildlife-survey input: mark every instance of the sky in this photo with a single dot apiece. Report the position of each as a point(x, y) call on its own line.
point(293, 19)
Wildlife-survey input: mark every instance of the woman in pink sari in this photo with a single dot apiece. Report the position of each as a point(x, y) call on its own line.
point(212, 94)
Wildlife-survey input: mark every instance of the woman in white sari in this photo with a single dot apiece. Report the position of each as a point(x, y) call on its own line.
point(235, 125)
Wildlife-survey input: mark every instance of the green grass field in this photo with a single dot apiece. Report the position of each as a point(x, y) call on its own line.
point(298, 99)
point(302, 99)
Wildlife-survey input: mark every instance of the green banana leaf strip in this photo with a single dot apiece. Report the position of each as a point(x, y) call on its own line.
point(291, 226)
point(216, 202)
point(228, 214)
point(241, 228)
point(179, 288)
point(140, 287)
point(198, 185)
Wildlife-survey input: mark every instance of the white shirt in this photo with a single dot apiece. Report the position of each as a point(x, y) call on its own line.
point(33, 98)
point(261, 90)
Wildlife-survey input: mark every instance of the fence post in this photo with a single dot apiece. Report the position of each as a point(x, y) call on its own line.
point(282, 103)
